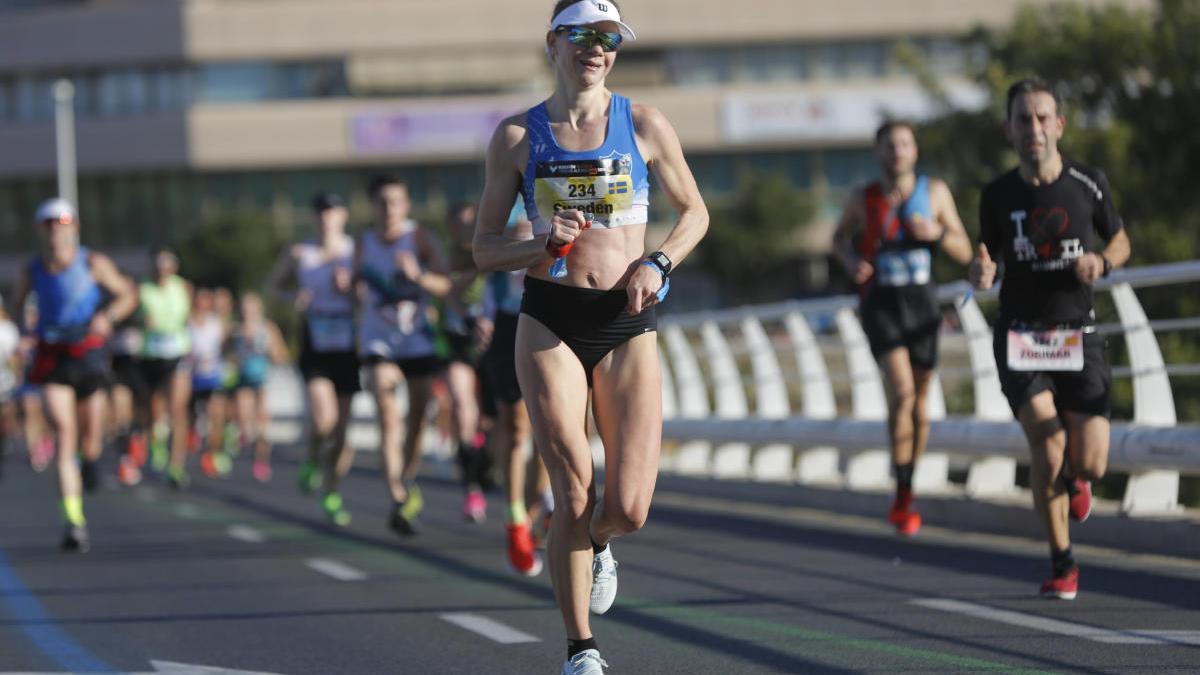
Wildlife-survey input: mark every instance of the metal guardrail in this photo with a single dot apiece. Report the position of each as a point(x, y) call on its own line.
point(708, 409)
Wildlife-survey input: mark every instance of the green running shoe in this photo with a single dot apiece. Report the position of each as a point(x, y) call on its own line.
point(308, 478)
point(404, 514)
point(159, 454)
point(335, 510)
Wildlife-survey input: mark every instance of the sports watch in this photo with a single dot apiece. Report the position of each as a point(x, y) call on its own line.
point(661, 261)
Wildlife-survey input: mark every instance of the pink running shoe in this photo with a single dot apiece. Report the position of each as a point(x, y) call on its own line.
point(41, 454)
point(475, 506)
point(262, 471)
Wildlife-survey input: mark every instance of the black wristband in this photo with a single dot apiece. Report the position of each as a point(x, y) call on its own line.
point(662, 262)
point(1107, 266)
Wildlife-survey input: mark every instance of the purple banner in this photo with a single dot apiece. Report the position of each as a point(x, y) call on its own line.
point(404, 132)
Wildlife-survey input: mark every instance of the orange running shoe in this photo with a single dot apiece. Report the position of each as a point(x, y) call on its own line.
point(521, 553)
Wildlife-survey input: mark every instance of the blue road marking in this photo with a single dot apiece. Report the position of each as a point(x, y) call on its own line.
point(51, 640)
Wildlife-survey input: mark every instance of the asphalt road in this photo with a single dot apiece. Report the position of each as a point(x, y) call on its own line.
point(233, 576)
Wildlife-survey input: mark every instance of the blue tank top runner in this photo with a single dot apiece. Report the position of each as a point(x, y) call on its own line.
point(66, 301)
point(609, 184)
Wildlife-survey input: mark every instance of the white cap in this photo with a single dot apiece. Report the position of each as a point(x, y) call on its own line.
point(55, 209)
point(587, 12)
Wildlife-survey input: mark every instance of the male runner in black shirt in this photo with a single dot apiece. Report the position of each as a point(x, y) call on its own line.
point(1053, 227)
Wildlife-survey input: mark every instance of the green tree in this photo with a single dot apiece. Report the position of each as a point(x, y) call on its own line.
point(235, 249)
point(750, 245)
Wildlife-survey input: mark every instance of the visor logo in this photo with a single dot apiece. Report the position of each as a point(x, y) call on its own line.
point(602, 7)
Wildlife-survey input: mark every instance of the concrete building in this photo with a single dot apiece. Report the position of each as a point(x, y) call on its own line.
point(187, 108)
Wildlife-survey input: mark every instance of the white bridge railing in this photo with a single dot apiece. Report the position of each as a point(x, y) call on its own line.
point(750, 393)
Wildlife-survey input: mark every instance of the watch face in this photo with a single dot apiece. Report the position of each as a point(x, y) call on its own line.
point(661, 260)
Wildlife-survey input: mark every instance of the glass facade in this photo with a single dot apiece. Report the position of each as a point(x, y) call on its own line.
point(701, 66)
point(133, 91)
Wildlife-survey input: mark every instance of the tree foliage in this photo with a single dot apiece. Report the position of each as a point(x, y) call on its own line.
point(235, 249)
point(750, 241)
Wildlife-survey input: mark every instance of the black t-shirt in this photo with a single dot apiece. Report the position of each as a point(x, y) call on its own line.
point(1041, 231)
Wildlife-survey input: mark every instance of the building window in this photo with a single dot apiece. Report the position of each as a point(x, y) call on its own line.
point(774, 63)
point(695, 67)
point(847, 168)
point(234, 82)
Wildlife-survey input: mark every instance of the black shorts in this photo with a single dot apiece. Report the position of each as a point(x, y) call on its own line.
point(127, 373)
point(459, 347)
point(85, 371)
point(589, 321)
point(499, 368)
point(340, 368)
point(1086, 391)
point(903, 316)
point(157, 373)
point(421, 366)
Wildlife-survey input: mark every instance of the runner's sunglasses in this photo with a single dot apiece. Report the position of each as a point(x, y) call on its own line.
point(585, 36)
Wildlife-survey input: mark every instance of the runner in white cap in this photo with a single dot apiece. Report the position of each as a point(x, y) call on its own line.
point(70, 362)
point(581, 160)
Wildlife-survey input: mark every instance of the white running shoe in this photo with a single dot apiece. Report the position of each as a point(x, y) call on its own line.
point(586, 662)
point(604, 581)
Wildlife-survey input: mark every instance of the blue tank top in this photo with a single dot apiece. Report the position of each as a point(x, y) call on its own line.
point(66, 301)
point(609, 184)
point(899, 259)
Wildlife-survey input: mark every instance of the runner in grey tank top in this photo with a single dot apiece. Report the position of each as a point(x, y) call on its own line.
point(399, 267)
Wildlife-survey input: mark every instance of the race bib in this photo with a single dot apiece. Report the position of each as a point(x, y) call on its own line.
point(600, 188)
point(910, 267)
point(331, 333)
point(1046, 350)
point(164, 345)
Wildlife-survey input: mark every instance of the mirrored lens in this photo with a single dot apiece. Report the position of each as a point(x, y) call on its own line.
point(584, 36)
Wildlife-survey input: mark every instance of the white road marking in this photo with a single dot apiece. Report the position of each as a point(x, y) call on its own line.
point(489, 628)
point(186, 510)
point(335, 569)
point(1093, 633)
point(247, 534)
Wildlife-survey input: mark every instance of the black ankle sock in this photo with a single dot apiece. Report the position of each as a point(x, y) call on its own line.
point(596, 548)
point(576, 646)
point(1061, 561)
point(904, 476)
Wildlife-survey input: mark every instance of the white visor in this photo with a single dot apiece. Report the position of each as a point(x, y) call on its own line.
point(55, 209)
point(587, 12)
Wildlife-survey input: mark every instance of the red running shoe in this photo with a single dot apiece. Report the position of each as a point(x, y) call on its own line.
point(137, 448)
point(1063, 587)
point(903, 515)
point(128, 472)
point(521, 554)
point(1081, 499)
point(910, 524)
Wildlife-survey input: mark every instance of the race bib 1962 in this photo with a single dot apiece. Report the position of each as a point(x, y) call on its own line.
point(1046, 350)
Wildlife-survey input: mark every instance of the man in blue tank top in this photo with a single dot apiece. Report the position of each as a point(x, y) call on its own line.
point(71, 363)
point(900, 221)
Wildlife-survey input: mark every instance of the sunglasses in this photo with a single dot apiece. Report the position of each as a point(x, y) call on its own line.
point(585, 36)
